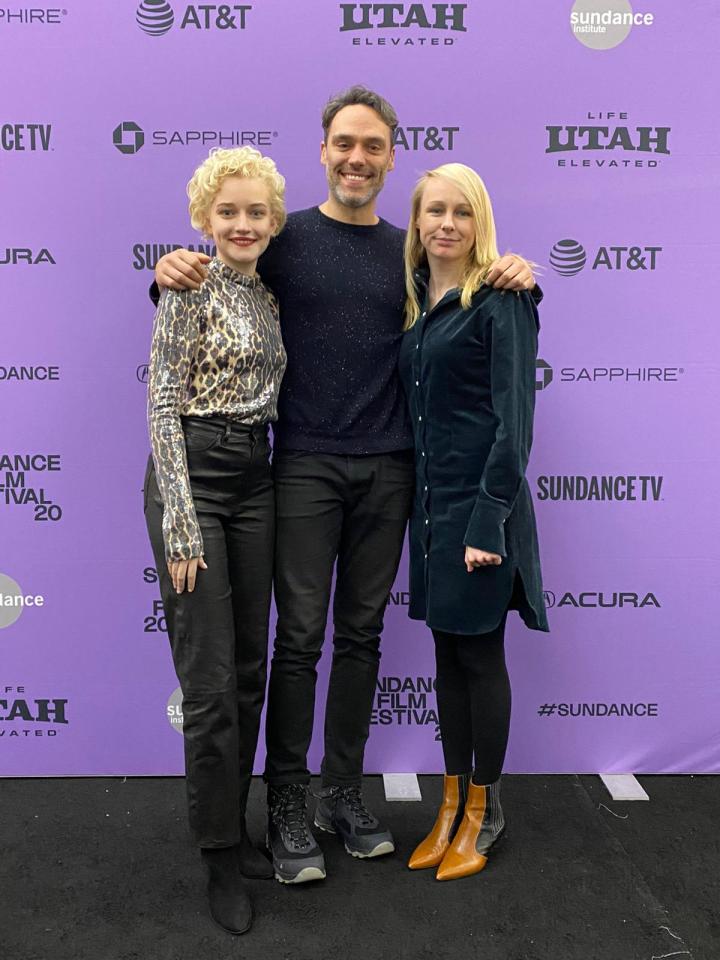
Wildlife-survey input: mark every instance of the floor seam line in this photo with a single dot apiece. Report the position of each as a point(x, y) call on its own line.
point(657, 910)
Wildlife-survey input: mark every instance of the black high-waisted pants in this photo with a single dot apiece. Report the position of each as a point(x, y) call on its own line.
point(219, 632)
point(474, 700)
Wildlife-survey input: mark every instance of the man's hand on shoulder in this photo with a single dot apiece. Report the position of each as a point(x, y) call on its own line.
point(181, 270)
point(510, 272)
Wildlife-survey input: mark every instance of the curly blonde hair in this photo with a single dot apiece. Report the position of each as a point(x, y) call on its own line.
point(240, 162)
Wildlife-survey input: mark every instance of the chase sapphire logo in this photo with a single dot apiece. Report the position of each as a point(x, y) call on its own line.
point(155, 17)
point(543, 374)
point(128, 137)
point(568, 257)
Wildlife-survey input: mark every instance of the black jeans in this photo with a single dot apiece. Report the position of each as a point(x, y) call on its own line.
point(219, 632)
point(330, 508)
point(474, 700)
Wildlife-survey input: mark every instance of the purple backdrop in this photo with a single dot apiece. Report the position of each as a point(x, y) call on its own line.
point(104, 126)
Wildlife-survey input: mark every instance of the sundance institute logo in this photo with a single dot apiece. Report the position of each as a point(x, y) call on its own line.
point(155, 17)
point(128, 137)
point(603, 24)
point(174, 710)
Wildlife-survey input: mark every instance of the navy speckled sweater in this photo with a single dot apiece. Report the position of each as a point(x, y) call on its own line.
point(341, 293)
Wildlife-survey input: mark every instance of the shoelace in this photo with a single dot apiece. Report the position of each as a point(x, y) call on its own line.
point(290, 810)
point(353, 798)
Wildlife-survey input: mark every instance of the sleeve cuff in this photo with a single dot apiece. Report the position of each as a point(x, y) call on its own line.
point(486, 529)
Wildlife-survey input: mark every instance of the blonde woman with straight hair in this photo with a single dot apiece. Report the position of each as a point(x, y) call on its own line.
point(216, 363)
point(468, 367)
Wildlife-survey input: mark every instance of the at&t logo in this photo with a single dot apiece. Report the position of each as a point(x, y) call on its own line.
point(128, 137)
point(425, 138)
point(569, 257)
point(157, 17)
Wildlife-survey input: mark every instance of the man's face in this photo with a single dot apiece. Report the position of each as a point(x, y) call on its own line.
point(357, 155)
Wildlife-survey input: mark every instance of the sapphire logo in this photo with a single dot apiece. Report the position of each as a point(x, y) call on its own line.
point(568, 257)
point(142, 373)
point(543, 374)
point(128, 137)
point(30, 16)
point(155, 17)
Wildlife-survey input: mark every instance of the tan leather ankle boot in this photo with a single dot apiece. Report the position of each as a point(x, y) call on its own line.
point(432, 849)
point(482, 825)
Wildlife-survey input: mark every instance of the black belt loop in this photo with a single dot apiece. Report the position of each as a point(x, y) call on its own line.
point(227, 431)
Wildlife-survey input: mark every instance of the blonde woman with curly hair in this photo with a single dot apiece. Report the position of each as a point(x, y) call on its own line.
point(217, 360)
point(468, 367)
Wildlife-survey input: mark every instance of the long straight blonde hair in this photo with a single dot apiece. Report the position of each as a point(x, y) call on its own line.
point(484, 250)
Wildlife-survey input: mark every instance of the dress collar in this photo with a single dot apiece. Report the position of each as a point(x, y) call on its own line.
point(222, 270)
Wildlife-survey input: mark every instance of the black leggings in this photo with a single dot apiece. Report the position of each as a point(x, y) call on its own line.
point(473, 696)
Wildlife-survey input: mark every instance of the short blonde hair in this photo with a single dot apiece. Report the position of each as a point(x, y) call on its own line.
point(484, 250)
point(240, 162)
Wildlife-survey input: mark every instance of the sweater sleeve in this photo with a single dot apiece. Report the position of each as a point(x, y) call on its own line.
point(175, 335)
point(513, 349)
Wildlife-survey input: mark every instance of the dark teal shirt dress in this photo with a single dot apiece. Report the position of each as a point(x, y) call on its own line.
point(469, 376)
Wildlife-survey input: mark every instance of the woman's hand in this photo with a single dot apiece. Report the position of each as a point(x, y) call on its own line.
point(510, 272)
point(480, 558)
point(181, 270)
point(185, 571)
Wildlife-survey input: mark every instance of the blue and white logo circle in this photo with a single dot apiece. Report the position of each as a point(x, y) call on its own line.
point(568, 257)
point(155, 17)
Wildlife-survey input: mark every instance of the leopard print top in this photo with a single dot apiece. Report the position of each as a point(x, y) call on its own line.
point(215, 351)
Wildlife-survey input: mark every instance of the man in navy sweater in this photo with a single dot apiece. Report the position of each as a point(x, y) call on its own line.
point(343, 466)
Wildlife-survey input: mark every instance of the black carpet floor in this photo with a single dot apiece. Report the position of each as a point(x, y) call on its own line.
point(102, 869)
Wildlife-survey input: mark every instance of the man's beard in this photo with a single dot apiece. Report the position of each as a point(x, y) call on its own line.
point(353, 200)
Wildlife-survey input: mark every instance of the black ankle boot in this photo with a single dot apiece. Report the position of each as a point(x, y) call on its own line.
point(230, 906)
point(253, 865)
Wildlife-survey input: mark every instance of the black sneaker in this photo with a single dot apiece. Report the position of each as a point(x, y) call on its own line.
point(341, 810)
point(296, 856)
